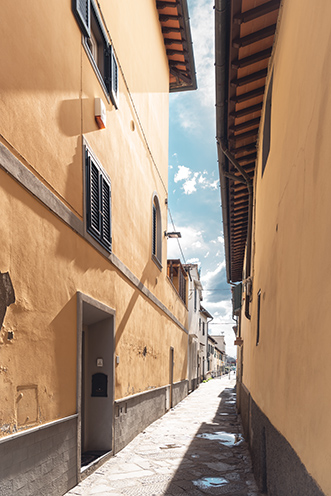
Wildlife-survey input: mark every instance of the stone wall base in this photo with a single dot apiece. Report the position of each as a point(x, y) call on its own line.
point(277, 468)
point(41, 460)
point(134, 413)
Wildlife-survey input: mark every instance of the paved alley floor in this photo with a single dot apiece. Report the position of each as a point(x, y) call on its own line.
point(194, 449)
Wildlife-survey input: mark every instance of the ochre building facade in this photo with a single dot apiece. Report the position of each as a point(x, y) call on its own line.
point(93, 334)
point(274, 123)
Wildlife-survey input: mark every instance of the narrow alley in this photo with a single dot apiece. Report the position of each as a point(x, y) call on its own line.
point(196, 448)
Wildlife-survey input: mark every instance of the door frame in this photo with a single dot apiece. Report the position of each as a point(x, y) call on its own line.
point(90, 309)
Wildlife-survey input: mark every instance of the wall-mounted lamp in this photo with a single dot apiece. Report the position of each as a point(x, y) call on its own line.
point(172, 234)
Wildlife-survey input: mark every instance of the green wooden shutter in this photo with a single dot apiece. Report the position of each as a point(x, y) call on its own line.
point(114, 79)
point(154, 231)
point(111, 74)
point(82, 13)
point(93, 199)
point(107, 68)
point(236, 298)
point(106, 214)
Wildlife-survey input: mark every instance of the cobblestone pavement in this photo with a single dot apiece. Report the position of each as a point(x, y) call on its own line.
point(194, 449)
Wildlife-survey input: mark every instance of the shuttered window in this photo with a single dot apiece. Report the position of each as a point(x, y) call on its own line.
point(98, 203)
point(82, 12)
point(156, 233)
point(154, 241)
point(100, 52)
point(111, 76)
point(267, 126)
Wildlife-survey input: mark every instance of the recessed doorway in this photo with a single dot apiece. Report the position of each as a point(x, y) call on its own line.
point(95, 391)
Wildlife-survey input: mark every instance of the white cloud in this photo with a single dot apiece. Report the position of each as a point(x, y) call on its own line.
point(195, 108)
point(192, 180)
point(207, 254)
point(194, 261)
point(210, 275)
point(189, 186)
point(192, 243)
point(202, 26)
point(202, 178)
point(182, 174)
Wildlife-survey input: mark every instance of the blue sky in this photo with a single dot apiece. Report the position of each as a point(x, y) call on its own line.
point(194, 194)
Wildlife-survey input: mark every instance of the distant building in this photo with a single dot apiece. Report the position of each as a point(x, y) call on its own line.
point(220, 340)
point(205, 318)
point(194, 320)
point(221, 346)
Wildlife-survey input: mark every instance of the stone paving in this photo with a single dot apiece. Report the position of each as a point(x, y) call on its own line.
point(195, 449)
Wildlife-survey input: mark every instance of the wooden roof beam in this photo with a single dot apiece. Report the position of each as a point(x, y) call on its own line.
point(251, 156)
point(240, 214)
point(251, 78)
point(175, 72)
point(168, 30)
point(259, 11)
point(164, 4)
point(169, 17)
point(241, 200)
point(248, 95)
point(244, 125)
point(254, 37)
point(247, 110)
point(170, 51)
point(245, 148)
point(171, 41)
point(251, 59)
point(248, 134)
point(239, 242)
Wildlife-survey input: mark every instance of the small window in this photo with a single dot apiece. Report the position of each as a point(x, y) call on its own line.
point(195, 299)
point(267, 126)
point(100, 52)
point(156, 232)
point(203, 328)
point(98, 203)
point(258, 317)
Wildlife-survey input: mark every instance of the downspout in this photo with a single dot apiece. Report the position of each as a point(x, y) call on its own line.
point(249, 184)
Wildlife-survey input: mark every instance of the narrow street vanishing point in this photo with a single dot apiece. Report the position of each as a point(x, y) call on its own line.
point(195, 449)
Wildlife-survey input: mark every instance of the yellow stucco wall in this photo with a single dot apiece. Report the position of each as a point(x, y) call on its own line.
point(48, 86)
point(288, 372)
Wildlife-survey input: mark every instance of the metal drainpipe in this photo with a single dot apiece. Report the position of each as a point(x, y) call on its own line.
point(249, 184)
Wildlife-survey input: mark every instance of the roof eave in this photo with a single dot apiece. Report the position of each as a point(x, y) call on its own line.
point(222, 15)
point(182, 76)
point(188, 37)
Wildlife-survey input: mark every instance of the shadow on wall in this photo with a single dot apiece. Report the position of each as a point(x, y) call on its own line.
point(64, 330)
point(7, 295)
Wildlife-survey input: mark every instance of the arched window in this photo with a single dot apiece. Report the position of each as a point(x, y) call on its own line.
point(156, 232)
